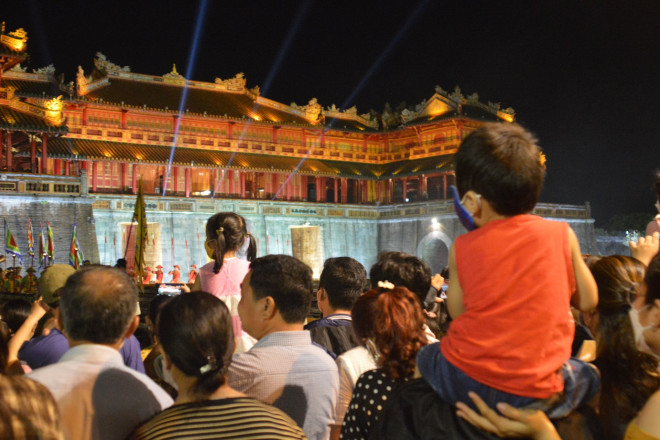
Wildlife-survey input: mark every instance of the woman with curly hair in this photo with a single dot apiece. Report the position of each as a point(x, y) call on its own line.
point(389, 322)
point(629, 376)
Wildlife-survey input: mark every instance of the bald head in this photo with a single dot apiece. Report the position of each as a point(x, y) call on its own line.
point(98, 304)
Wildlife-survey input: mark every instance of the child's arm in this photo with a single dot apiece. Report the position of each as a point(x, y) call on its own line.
point(645, 248)
point(586, 294)
point(454, 291)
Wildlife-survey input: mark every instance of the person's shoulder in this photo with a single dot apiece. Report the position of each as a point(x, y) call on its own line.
point(359, 352)
point(164, 400)
point(49, 374)
point(208, 267)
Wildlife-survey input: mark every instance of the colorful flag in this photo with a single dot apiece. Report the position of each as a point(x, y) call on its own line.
point(43, 255)
point(10, 244)
point(30, 239)
point(51, 243)
point(140, 216)
point(74, 252)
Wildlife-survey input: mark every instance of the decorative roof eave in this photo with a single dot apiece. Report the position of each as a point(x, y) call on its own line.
point(20, 116)
point(442, 103)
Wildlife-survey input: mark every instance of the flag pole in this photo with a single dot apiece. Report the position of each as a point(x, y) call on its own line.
point(128, 239)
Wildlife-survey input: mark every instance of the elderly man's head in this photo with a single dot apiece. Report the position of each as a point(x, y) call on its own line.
point(98, 305)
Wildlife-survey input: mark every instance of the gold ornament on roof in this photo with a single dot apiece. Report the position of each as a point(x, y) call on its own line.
point(174, 74)
point(54, 110)
point(54, 104)
point(15, 40)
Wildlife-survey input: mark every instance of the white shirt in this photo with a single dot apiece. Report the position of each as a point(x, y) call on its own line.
point(97, 395)
point(352, 363)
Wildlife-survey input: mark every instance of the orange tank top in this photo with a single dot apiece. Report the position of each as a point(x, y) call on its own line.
point(516, 332)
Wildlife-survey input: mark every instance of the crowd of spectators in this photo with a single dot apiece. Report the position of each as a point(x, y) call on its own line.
point(532, 340)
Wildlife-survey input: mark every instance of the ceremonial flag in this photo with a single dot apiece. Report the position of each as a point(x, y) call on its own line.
point(10, 244)
point(140, 216)
point(43, 256)
point(51, 243)
point(75, 256)
point(30, 239)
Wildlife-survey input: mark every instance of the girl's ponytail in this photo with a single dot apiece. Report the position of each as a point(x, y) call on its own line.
point(252, 247)
point(220, 249)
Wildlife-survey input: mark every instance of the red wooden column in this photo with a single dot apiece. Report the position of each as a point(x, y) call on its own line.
point(134, 184)
point(344, 189)
point(94, 176)
point(287, 188)
point(267, 184)
point(365, 191)
point(275, 184)
point(67, 167)
point(33, 154)
point(214, 179)
point(303, 188)
point(188, 181)
point(58, 167)
point(2, 155)
point(444, 186)
point(404, 182)
point(175, 180)
point(122, 176)
point(9, 152)
point(242, 183)
point(44, 154)
point(390, 191)
point(423, 186)
point(319, 184)
point(336, 190)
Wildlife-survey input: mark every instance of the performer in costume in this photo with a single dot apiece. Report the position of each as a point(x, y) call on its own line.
point(146, 278)
point(29, 282)
point(159, 274)
point(176, 274)
point(192, 275)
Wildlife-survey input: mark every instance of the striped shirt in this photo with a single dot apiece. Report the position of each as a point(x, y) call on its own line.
point(232, 418)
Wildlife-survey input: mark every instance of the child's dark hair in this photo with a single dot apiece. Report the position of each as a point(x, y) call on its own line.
point(195, 330)
point(14, 313)
point(228, 230)
point(503, 163)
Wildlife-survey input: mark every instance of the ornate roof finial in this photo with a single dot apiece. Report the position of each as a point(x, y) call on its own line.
point(174, 75)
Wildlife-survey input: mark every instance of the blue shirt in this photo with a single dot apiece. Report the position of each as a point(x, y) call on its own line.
point(45, 350)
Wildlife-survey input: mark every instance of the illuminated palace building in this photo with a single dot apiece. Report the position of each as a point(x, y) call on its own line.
point(311, 179)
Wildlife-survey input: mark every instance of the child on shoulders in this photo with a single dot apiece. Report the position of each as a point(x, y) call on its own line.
point(512, 282)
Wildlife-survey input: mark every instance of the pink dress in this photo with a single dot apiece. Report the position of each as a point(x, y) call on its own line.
point(226, 285)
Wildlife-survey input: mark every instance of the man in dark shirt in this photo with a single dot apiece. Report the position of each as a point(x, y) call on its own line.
point(342, 281)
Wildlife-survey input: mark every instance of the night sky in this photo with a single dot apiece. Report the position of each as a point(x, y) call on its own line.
point(582, 75)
